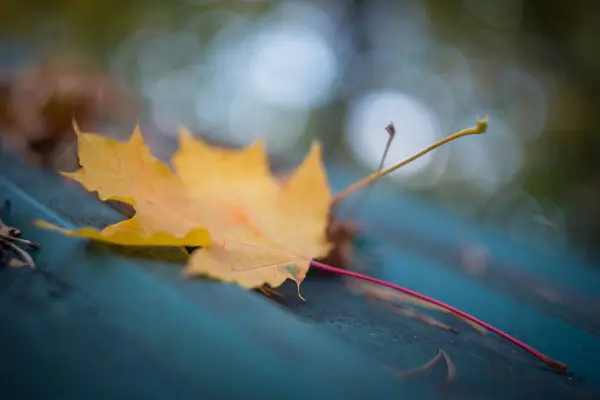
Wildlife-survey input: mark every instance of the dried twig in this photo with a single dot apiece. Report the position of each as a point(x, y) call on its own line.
point(9, 237)
point(554, 364)
point(412, 313)
point(479, 128)
point(14, 263)
point(428, 367)
point(385, 294)
point(423, 369)
point(269, 291)
point(391, 131)
point(451, 376)
point(18, 251)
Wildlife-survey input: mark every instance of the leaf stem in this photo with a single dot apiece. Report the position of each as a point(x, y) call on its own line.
point(479, 128)
point(391, 131)
point(556, 365)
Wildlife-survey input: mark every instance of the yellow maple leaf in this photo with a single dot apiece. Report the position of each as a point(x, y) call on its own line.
point(253, 229)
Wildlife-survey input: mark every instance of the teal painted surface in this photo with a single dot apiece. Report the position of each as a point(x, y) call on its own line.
point(385, 207)
point(135, 329)
point(191, 337)
point(581, 351)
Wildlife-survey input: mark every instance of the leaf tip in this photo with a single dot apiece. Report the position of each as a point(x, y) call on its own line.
point(315, 149)
point(184, 134)
point(299, 294)
point(314, 157)
point(258, 145)
point(136, 136)
point(184, 130)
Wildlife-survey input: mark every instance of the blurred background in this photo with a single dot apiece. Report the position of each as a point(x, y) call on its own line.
point(338, 71)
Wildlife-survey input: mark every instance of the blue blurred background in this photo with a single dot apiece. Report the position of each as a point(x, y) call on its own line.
point(338, 71)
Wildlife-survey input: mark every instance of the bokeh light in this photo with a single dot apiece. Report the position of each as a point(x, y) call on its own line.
point(293, 71)
point(417, 127)
point(293, 67)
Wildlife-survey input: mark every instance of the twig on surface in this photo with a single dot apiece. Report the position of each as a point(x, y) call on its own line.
point(556, 365)
point(9, 237)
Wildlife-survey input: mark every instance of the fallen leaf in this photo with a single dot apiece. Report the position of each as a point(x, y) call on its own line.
point(262, 231)
point(253, 228)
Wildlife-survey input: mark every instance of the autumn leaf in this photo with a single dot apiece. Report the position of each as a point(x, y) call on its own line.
point(253, 229)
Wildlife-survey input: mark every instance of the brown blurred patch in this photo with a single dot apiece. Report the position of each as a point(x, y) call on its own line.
point(342, 234)
point(38, 104)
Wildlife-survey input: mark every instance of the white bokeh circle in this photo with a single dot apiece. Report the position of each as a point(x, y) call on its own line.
point(416, 125)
